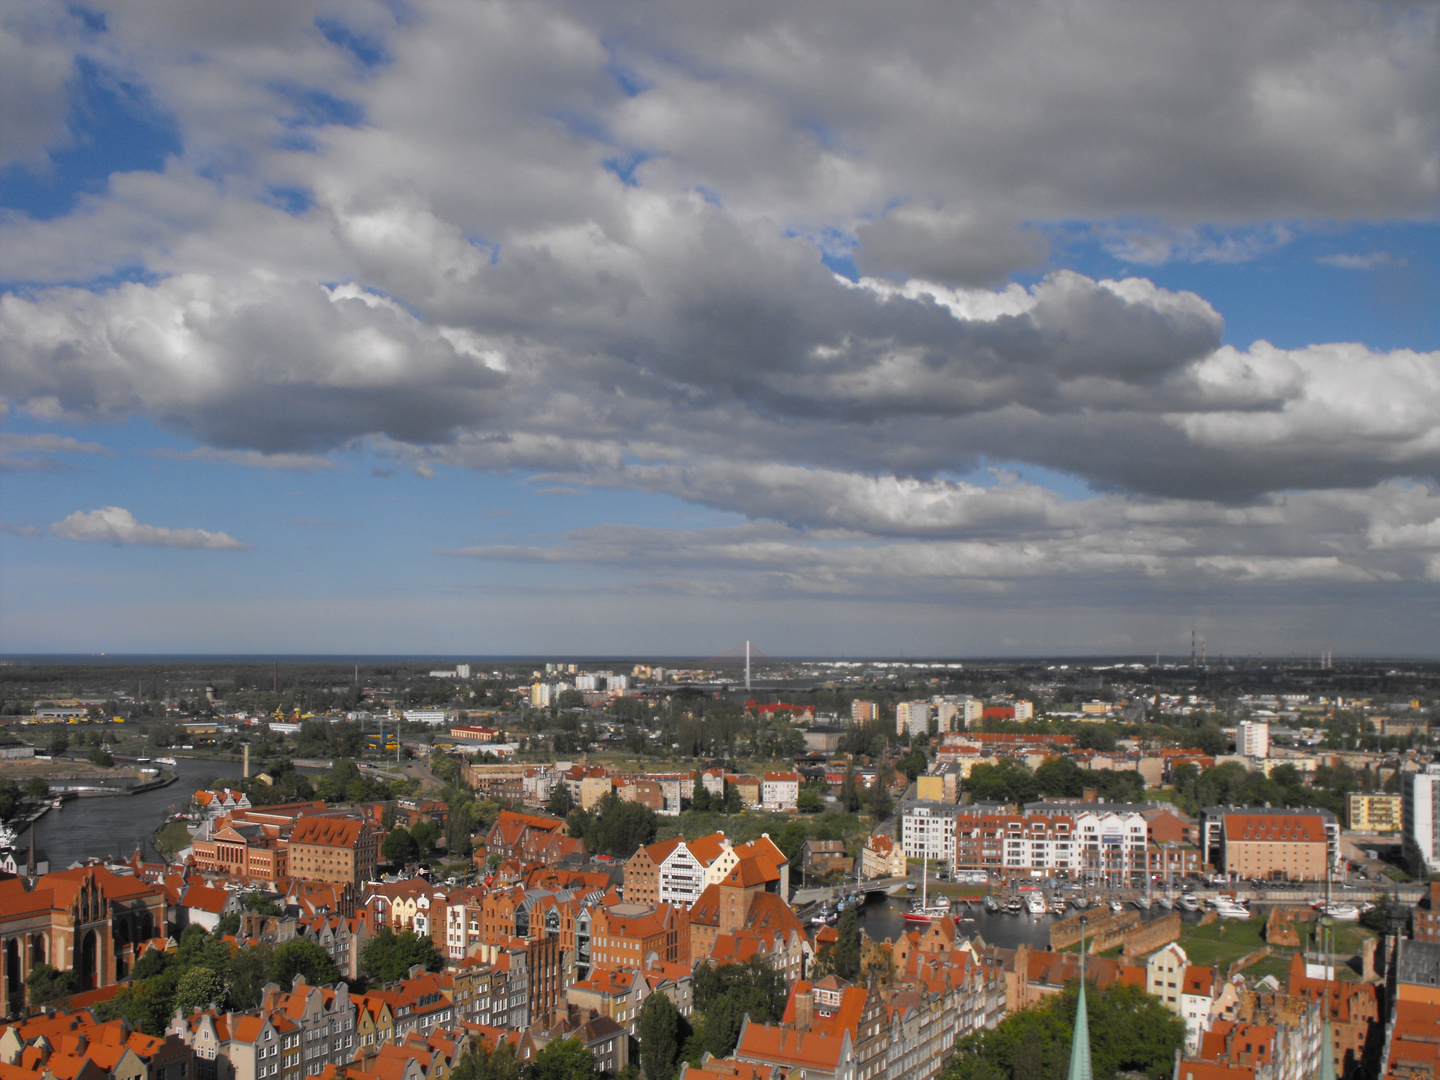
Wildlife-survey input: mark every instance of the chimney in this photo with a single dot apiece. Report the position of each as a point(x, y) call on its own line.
point(804, 1010)
point(1089, 794)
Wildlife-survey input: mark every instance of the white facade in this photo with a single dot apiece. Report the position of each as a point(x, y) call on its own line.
point(1420, 809)
point(682, 878)
point(1254, 738)
point(928, 832)
point(434, 717)
point(462, 670)
point(949, 716)
point(780, 791)
point(1024, 710)
point(1110, 844)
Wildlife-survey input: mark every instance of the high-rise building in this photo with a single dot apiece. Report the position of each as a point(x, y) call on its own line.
point(862, 712)
point(1024, 710)
point(1419, 812)
point(1253, 738)
point(974, 712)
point(912, 717)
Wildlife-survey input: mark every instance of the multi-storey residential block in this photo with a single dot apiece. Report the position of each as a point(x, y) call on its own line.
point(912, 718)
point(779, 791)
point(1375, 812)
point(863, 712)
point(927, 831)
point(1253, 738)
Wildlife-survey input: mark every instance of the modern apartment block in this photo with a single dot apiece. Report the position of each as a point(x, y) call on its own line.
point(1420, 810)
point(1253, 739)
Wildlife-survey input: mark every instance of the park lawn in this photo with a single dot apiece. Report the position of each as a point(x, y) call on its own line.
point(1223, 941)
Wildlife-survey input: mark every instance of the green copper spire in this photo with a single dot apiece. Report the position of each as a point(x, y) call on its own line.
point(1080, 1044)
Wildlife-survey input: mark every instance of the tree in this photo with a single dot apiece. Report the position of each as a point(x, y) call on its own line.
point(197, 988)
point(701, 801)
point(100, 756)
point(46, 985)
point(562, 1059)
point(727, 994)
point(389, 956)
point(913, 764)
point(807, 802)
point(880, 802)
point(425, 833)
point(1060, 776)
point(247, 973)
point(619, 828)
point(845, 954)
point(479, 1062)
point(1130, 1032)
point(37, 788)
point(400, 847)
point(733, 805)
point(849, 791)
point(59, 742)
point(658, 1029)
point(303, 958)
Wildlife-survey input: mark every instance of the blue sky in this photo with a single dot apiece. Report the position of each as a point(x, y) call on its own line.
point(518, 329)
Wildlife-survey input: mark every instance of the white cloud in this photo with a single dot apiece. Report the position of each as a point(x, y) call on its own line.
point(1372, 261)
point(115, 525)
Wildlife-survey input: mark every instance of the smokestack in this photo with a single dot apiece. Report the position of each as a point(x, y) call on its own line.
point(747, 667)
point(245, 768)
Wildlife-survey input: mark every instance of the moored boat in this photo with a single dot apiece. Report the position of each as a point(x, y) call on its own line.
point(1035, 903)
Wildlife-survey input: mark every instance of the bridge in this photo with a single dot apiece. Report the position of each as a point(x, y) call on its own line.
point(873, 887)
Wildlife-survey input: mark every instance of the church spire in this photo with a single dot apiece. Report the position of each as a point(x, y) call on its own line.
point(1080, 1045)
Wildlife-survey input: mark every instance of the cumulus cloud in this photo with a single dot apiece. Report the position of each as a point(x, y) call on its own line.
point(116, 525)
point(586, 240)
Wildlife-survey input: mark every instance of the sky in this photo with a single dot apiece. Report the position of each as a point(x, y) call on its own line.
point(983, 329)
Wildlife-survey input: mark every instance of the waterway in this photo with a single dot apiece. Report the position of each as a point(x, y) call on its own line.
point(118, 824)
point(885, 919)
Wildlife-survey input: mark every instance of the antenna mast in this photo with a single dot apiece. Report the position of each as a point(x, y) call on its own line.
point(747, 666)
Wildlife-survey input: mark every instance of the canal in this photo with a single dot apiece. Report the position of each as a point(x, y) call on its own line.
point(885, 919)
point(116, 825)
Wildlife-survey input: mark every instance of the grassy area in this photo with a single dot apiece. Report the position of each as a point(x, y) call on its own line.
point(1222, 942)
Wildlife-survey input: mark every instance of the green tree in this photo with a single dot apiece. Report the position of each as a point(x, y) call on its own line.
point(37, 788)
point(1006, 781)
point(619, 828)
point(302, 958)
point(658, 1029)
point(725, 995)
point(845, 954)
point(100, 756)
point(479, 1062)
point(880, 802)
point(807, 802)
point(1130, 1033)
point(562, 1059)
point(389, 956)
point(246, 974)
point(425, 833)
point(198, 988)
point(400, 847)
point(1060, 776)
point(46, 985)
point(849, 791)
point(59, 742)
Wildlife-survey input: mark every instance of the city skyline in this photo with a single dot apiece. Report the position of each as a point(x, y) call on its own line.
point(549, 329)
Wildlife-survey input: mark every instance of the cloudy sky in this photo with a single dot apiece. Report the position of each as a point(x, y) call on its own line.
point(952, 329)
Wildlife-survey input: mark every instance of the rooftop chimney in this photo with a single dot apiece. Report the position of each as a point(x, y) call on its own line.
point(804, 1010)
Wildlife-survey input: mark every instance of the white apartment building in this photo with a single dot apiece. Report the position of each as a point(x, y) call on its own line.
point(434, 717)
point(974, 712)
point(462, 671)
point(1253, 738)
point(1024, 710)
point(1112, 845)
point(780, 790)
point(912, 717)
point(1419, 813)
point(927, 831)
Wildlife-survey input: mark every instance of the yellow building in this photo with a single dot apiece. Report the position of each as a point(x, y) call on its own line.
point(1374, 813)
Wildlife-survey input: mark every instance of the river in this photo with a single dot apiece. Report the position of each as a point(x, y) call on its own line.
point(885, 919)
point(118, 824)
